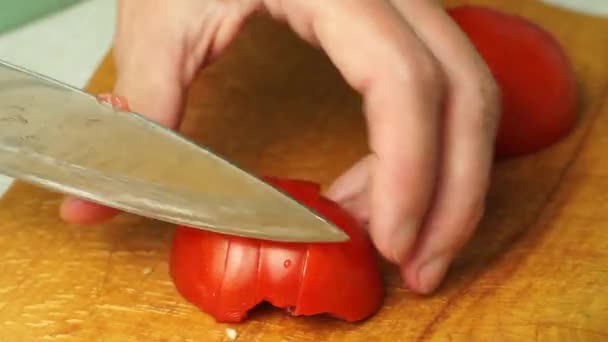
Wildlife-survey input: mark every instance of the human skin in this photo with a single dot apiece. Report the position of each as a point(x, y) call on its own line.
point(431, 105)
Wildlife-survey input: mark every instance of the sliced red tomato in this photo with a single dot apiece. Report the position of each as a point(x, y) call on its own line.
point(227, 276)
point(536, 79)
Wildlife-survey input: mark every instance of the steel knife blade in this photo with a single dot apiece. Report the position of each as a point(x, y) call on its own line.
point(61, 138)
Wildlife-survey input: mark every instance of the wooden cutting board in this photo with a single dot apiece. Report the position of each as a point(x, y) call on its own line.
point(536, 270)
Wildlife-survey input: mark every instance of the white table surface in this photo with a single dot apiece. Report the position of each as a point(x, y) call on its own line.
point(70, 44)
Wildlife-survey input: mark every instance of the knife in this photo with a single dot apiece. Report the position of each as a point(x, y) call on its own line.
point(63, 139)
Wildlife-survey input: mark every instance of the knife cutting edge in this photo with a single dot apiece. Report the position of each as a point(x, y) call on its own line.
point(61, 138)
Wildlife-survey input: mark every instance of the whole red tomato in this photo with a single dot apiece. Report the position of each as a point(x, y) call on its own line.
point(226, 276)
point(535, 77)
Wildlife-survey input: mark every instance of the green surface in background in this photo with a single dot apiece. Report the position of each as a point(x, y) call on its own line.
point(14, 13)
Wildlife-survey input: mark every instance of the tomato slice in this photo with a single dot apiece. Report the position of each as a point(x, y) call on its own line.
point(226, 276)
point(339, 279)
point(535, 77)
point(304, 190)
point(238, 291)
point(281, 267)
point(198, 260)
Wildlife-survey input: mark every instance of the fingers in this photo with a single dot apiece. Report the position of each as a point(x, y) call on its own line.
point(159, 47)
point(352, 183)
point(149, 75)
point(380, 56)
point(161, 103)
point(76, 210)
point(150, 59)
point(470, 124)
point(351, 190)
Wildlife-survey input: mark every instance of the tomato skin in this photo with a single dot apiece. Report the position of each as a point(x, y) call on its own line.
point(537, 82)
point(338, 278)
point(197, 265)
point(299, 186)
point(226, 276)
point(281, 270)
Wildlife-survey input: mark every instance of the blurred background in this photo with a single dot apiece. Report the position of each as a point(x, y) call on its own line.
point(64, 39)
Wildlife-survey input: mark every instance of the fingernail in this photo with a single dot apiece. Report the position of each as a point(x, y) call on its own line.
point(340, 194)
point(403, 239)
point(431, 273)
point(70, 200)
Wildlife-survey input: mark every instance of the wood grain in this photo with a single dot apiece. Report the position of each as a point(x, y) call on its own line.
point(536, 270)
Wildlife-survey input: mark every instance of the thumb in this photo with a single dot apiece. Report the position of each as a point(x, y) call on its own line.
point(153, 93)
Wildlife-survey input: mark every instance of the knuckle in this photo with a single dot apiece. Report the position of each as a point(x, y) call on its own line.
point(421, 71)
point(428, 70)
point(482, 97)
point(394, 243)
point(275, 8)
point(425, 72)
point(457, 229)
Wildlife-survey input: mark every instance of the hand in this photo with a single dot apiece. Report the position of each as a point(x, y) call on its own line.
point(430, 102)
